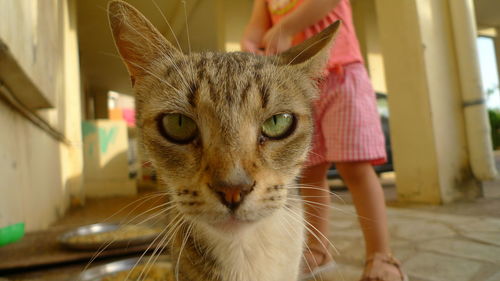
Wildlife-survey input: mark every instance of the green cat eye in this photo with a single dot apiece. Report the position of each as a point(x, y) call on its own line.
point(178, 128)
point(278, 126)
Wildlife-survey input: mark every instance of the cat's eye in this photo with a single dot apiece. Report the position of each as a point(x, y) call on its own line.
point(178, 128)
point(278, 126)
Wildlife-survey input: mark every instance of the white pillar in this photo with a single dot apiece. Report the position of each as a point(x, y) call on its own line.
point(497, 52)
point(366, 23)
point(72, 153)
point(427, 121)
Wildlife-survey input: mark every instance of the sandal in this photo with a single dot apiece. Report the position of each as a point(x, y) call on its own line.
point(383, 267)
point(323, 265)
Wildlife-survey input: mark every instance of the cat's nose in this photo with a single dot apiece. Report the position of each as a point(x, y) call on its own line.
point(231, 194)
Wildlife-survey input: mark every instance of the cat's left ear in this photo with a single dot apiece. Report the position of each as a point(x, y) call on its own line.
point(312, 55)
point(137, 40)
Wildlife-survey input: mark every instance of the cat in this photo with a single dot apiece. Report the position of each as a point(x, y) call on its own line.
point(227, 134)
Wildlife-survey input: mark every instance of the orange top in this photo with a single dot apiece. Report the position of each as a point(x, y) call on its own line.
point(346, 48)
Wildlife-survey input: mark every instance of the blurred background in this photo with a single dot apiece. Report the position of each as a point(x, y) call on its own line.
point(67, 120)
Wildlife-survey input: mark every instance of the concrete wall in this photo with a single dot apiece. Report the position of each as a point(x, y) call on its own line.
point(39, 174)
point(427, 121)
point(32, 43)
point(366, 24)
point(106, 170)
point(236, 17)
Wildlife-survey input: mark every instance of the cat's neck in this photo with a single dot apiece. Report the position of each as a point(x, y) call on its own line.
point(257, 252)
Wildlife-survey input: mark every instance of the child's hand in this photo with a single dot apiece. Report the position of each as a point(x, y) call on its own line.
point(251, 41)
point(277, 40)
point(248, 45)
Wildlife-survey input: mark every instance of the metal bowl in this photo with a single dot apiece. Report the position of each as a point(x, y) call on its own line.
point(99, 272)
point(65, 239)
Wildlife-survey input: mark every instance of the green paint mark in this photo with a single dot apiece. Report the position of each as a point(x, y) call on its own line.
point(91, 148)
point(11, 233)
point(105, 138)
point(88, 128)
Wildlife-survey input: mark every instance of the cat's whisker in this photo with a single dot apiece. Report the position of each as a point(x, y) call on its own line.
point(157, 77)
point(150, 210)
point(102, 248)
point(144, 200)
point(314, 153)
point(309, 249)
point(158, 197)
point(301, 199)
point(327, 192)
point(312, 232)
point(167, 228)
point(184, 241)
point(316, 216)
point(158, 249)
point(188, 39)
point(276, 57)
point(307, 263)
point(187, 26)
point(329, 195)
point(308, 230)
point(162, 249)
point(307, 48)
point(149, 264)
point(168, 24)
point(304, 186)
point(311, 196)
point(163, 54)
point(162, 212)
point(313, 203)
point(305, 244)
point(204, 254)
point(161, 80)
point(298, 55)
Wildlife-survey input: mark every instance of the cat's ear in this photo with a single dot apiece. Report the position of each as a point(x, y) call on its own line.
point(312, 54)
point(137, 40)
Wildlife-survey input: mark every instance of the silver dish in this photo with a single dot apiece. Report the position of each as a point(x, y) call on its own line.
point(65, 239)
point(99, 272)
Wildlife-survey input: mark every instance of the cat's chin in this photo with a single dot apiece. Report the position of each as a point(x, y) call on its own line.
point(232, 224)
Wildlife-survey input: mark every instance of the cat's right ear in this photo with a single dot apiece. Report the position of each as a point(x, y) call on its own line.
point(311, 56)
point(138, 41)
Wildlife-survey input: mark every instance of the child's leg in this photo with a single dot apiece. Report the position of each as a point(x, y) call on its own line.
point(317, 214)
point(369, 200)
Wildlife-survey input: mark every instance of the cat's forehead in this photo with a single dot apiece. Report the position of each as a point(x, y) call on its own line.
point(236, 60)
point(226, 86)
point(232, 66)
point(220, 67)
point(227, 79)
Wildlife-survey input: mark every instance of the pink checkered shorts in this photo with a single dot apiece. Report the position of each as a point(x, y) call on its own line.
point(347, 123)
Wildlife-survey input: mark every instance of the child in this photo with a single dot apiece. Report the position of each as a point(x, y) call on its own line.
point(347, 127)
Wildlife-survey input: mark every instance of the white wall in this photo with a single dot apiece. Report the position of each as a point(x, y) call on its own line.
point(38, 174)
point(31, 188)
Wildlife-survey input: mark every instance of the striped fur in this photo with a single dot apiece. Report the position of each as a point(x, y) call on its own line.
point(229, 96)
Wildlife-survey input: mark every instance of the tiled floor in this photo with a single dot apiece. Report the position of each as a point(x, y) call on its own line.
point(433, 243)
point(433, 246)
point(456, 242)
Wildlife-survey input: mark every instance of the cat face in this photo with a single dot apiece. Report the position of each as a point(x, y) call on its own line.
point(226, 132)
point(219, 131)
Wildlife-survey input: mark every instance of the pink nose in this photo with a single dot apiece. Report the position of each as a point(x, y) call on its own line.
point(232, 195)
